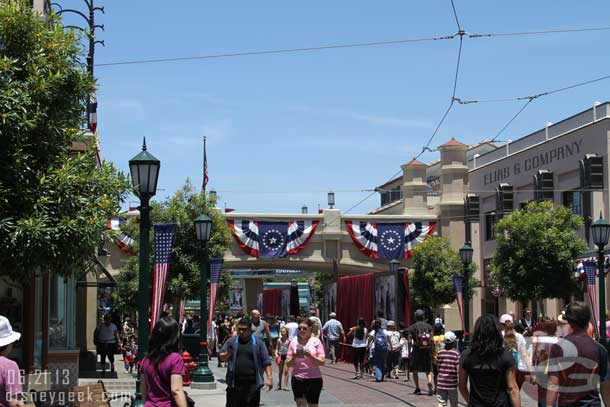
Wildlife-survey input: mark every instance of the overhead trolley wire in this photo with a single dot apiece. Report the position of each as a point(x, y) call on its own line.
point(512, 119)
point(543, 32)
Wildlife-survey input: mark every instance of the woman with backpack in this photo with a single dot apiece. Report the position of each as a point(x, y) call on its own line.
point(379, 342)
point(163, 367)
point(489, 368)
point(359, 344)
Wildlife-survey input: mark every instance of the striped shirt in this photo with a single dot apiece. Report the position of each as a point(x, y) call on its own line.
point(448, 361)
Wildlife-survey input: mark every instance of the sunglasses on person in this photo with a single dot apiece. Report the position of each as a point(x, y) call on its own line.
point(242, 329)
point(303, 328)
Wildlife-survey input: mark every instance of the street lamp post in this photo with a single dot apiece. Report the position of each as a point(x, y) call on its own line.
point(394, 267)
point(144, 169)
point(466, 257)
point(331, 199)
point(601, 232)
point(203, 378)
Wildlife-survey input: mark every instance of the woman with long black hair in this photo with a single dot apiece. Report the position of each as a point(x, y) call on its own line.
point(163, 368)
point(359, 345)
point(489, 367)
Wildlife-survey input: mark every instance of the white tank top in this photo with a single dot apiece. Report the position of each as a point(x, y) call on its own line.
point(360, 343)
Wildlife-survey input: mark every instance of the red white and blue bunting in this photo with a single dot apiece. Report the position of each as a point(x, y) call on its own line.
point(388, 240)
point(580, 273)
point(272, 239)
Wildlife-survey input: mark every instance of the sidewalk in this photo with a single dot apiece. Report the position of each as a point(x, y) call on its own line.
point(340, 389)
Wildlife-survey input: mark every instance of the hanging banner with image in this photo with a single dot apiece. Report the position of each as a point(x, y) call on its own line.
point(236, 299)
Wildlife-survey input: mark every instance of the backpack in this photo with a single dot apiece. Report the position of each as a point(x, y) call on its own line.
point(516, 356)
point(381, 341)
point(423, 339)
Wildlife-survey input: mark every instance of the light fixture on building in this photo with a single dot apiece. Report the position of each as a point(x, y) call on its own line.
point(331, 199)
point(304, 210)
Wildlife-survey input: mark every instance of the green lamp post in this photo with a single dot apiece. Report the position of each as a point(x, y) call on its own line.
point(203, 378)
point(144, 169)
point(466, 257)
point(601, 233)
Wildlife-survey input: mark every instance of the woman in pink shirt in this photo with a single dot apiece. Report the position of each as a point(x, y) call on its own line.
point(163, 367)
point(305, 355)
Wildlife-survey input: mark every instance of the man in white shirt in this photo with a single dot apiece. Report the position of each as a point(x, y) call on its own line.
point(333, 331)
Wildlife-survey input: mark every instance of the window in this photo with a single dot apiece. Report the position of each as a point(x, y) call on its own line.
point(490, 225)
point(62, 306)
point(573, 200)
point(486, 272)
point(391, 195)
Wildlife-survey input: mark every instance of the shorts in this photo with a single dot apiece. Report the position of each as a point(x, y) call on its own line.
point(445, 396)
point(308, 389)
point(404, 363)
point(421, 361)
point(283, 357)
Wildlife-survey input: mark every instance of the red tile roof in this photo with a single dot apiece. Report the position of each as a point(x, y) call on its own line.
point(452, 143)
point(414, 161)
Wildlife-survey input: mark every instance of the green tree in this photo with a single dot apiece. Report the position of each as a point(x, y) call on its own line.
point(535, 253)
point(54, 204)
point(184, 272)
point(435, 262)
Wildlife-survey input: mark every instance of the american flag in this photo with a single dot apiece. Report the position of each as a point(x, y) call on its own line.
point(164, 240)
point(92, 112)
point(205, 166)
point(590, 271)
point(215, 269)
point(458, 283)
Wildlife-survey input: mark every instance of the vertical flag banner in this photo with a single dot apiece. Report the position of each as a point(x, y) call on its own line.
point(458, 283)
point(92, 111)
point(205, 166)
point(164, 241)
point(215, 269)
point(590, 271)
point(181, 310)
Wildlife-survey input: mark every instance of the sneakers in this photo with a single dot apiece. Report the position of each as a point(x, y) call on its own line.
point(430, 391)
point(417, 391)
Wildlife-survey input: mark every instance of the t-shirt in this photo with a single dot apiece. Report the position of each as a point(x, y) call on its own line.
point(488, 384)
point(10, 380)
point(245, 371)
point(259, 330)
point(332, 329)
point(292, 328)
point(405, 348)
point(394, 337)
point(439, 344)
point(420, 326)
point(590, 365)
point(447, 362)
point(106, 333)
point(158, 380)
point(305, 367)
point(359, 343)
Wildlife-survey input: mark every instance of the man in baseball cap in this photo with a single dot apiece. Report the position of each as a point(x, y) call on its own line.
point(10, 389)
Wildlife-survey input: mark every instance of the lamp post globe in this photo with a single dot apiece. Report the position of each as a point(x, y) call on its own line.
point(331, 199)
point(466, 256)
point(394, 264)
point(144, 169)
point(600, 229)
point(203, 378)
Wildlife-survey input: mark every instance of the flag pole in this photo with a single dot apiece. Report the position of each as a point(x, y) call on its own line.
point(205, 166)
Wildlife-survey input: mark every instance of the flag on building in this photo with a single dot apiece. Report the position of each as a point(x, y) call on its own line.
point(458, 283)
point(206, 178)
point(215, 269)
point(391, 242)
point(92, 112)
point(164, 241)
point(388, 240)
point(590, 272)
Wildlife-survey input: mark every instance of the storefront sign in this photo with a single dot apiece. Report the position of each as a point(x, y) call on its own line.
point(535, 162)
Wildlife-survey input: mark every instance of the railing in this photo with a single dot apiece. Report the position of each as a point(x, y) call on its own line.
point(551, 131)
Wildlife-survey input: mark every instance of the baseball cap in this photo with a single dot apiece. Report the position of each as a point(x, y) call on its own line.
point(332, 315)
point(450, 337)
point(419, 313)
point(7, 335)
point(506, 318)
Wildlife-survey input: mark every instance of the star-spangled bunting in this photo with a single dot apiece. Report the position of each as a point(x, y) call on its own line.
point(164, 241)
point(388, 240)
point(272, 239)
point(215, 270)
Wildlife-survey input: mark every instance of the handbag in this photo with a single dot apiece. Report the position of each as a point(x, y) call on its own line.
point(189, 401)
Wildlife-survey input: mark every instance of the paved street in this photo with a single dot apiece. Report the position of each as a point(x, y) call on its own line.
point(339, 390)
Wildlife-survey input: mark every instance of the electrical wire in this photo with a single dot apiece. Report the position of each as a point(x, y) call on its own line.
point(543, 32)
point(452, 101)
point(512, 119)
point(278, 51)
point(457, 20)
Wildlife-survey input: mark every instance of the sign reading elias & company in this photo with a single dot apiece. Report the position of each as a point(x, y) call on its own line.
point(535, 162)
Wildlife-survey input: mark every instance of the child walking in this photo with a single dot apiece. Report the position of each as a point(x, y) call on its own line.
point(282, 351)
point(447, 363)
point(405, 350)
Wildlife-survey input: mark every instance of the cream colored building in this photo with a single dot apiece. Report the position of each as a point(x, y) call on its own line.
point(438, 189)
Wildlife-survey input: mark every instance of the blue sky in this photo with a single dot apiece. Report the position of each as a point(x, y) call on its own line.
point(284, 129)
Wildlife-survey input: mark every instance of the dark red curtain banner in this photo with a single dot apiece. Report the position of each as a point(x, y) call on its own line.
point(354, 300)
point(272, 301)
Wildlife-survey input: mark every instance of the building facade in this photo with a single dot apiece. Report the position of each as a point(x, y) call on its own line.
point(438, 190)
